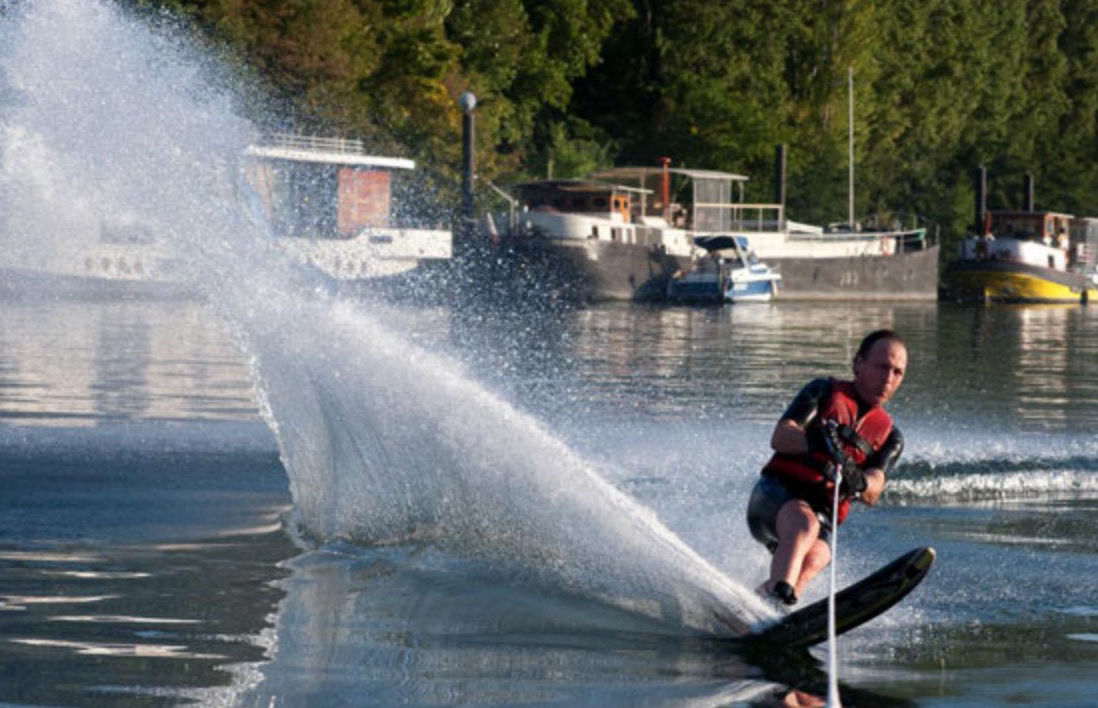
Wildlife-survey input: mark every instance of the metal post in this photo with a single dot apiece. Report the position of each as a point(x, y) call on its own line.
point(850, 148)
point(981, 201)
point(468, 102)
point(665, 187)
point(779, 182)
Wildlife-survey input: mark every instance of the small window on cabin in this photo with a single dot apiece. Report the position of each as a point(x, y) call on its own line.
point(615, 234)
point(599, 202)
point(594, 232)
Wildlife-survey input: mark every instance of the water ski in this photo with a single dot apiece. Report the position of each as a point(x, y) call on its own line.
point(854, 605)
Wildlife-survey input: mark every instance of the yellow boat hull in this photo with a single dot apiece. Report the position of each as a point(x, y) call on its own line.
point(1016, 282)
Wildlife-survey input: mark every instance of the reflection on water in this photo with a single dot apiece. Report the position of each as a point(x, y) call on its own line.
point(407, 627)
point(137, 626)
point(1029, 364)
point(76, 363)
point(666, 361)
point(1008, 367)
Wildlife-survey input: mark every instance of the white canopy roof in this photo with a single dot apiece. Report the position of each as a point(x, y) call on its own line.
point(641, 173)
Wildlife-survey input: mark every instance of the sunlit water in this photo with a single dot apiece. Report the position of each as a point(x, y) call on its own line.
point(146, 537)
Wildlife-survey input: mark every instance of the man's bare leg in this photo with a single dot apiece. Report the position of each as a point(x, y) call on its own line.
point(814, 561)
point(800, 554)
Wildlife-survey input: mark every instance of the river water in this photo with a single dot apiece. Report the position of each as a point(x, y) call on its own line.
point(160, 544)
point(271, 495)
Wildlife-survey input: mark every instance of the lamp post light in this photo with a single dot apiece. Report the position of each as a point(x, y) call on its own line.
point(467, 102)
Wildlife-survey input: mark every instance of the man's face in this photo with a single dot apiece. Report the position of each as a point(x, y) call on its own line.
point(878, 375)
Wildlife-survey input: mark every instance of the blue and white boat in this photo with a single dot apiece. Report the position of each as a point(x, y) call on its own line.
point(728, 271)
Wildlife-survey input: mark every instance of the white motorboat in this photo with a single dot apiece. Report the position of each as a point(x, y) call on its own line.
point(728, 271)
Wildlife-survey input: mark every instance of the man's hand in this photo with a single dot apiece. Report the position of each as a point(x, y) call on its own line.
point(853, 479)
point(824, 437)
point(874, 485)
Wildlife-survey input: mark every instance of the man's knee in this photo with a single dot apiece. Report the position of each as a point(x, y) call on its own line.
point(818, 556)
point(798, 517)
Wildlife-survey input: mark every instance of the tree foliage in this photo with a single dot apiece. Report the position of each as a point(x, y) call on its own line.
point(941, 87)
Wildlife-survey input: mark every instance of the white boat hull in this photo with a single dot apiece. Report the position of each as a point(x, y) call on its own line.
point(151, 269)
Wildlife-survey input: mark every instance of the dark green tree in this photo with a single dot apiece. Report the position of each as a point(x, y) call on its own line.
point(940, 87)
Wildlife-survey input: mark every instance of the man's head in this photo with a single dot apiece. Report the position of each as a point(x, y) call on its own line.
point(879, 366)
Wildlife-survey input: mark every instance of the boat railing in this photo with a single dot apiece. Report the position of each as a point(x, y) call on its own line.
point(906, 232)
point(917, 239)
point(316, 142)
point(739, 216)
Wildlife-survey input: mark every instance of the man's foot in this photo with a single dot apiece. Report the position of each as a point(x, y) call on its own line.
point(779, 591)
point(784, 592)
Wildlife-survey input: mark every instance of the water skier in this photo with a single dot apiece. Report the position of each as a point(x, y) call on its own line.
point(831, 422)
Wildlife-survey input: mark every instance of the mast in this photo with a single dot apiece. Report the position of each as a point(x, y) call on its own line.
point(850, 147)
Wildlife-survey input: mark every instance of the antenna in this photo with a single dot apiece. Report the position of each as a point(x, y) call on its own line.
point(850, 149)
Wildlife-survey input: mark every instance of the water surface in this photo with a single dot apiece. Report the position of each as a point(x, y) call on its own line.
point(151, 554)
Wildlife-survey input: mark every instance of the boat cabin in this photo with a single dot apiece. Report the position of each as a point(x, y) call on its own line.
point(1048, 227)
point(1049, 239)
point(1083, 236)
point(351, 215)
point(734, 250)
point(704, 201)
point(578, 197)
point(313, 187)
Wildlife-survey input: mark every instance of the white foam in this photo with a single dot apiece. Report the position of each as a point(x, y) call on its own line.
point(387, 442)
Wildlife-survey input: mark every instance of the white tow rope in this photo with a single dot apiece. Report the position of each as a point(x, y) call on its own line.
point(833, 700)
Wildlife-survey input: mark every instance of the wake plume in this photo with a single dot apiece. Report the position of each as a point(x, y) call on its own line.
point(389, 443)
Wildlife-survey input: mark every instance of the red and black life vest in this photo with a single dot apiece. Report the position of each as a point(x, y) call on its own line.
point(804, 473)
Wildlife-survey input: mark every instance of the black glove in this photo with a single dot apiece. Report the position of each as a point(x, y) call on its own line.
point(853, 479)
point(824, 437)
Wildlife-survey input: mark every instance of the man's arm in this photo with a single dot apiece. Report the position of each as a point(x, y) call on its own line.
point(879, 465)
point(789, 434)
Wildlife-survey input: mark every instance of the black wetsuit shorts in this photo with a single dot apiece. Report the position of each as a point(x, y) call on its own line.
point(767, 498)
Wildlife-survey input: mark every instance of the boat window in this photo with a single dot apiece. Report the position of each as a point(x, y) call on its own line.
point(599, 202)
point(615, 234)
